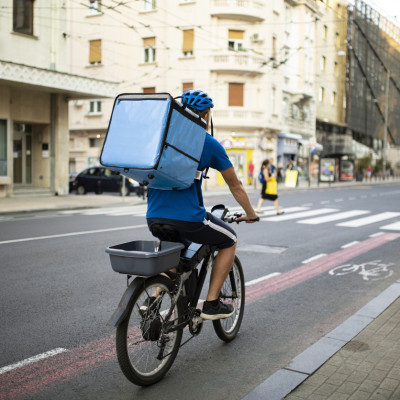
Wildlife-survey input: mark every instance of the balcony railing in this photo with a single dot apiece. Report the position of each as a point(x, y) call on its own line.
point(237, 62)
point(239, 118)
point(246, 10)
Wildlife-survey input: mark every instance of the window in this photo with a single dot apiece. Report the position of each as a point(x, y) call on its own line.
point(323, 63)
point(95, 51)
point(94, 7)
point(325, 32)
point(274, 47)
point(336, 69)
point(236, 94)
point(95, 142)
point(3, 147)
point(188, 39)
point(149, 90)
point(337, 39)
point(187, 86)
point(95, 107)
point(334, 99)
point(273, 100)
point(23, 16)
point(149, 45)
point(321, 96)
point(149, 5)
point(235, 40)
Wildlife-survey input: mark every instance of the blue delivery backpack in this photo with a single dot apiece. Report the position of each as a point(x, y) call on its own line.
point(154, 140)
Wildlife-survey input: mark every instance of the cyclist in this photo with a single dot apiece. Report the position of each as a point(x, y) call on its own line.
point(185, 211)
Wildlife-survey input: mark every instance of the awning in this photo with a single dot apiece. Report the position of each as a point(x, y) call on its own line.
point(312, 145)
point(284, 135)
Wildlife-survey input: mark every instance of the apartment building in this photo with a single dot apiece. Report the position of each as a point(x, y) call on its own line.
point(36, 84)
point(254, 58)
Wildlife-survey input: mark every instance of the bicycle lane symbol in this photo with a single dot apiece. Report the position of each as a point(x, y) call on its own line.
point(370, 270)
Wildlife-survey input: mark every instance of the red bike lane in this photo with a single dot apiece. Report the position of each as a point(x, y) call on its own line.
point(33, 378)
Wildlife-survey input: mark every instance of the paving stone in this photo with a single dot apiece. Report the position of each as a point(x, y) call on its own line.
point(348, 388)
point(337, 379)
point(358, 376)
point(326, 389)
point(360, 395)
point(389, 384)
point(381, 394)
point(339, 396)
point(369, 386)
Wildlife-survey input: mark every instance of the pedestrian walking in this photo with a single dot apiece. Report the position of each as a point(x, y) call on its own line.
point(269, 189)
point(250, 173)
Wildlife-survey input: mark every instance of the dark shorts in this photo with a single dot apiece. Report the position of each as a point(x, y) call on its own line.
point(211, 231)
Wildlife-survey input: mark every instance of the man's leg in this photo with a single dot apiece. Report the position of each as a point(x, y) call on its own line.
point(222, 265)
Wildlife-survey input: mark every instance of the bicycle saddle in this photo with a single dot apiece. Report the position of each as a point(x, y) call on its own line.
point(165, 233)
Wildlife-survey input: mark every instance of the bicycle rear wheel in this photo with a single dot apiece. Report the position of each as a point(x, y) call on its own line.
point(232, 292)
point(148, 339)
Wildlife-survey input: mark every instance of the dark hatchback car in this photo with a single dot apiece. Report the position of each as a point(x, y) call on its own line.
point(100, 179)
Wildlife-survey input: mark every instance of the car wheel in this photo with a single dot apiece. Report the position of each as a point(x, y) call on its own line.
point(80, 190)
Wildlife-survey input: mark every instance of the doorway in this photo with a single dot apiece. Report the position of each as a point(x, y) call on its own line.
point(22, 154)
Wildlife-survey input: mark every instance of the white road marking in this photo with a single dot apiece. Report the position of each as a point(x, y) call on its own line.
point(314, 258)
point(74, 234)
point(333, 217)
point(310, 213)
point(392, 227)
point(32, 360)
point(286, 210)
point(338, 200)
point(377, 234)
point(263, 278)
point(345, 246)
point(369, 220)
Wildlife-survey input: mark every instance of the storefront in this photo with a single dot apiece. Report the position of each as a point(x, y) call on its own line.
point(288, 146)
point(240, 152)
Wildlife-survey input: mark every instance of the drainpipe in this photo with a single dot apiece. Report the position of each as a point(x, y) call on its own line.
point(53, 98)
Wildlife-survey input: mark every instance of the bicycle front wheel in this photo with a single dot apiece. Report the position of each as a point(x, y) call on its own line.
point(232, 292)
point(148, 339)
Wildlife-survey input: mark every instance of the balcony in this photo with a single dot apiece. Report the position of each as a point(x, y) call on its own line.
point(237, 63)
point(235, 118)
point(244, 10)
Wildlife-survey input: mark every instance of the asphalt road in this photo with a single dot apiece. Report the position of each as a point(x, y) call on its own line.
point(58, 292)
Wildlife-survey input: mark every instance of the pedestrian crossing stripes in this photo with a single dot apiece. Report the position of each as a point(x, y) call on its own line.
point(302, 215)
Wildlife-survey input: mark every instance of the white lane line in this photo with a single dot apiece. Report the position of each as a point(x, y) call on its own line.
point(300, 214)
point(32, 360)
point(325, 202)
point(263, 278)
point(73, 234)
point(345, 246)
point(377, 234)
point(333, 217)
point(313, 258)
point(392, 227)
point(369, 220)
point(338, 200)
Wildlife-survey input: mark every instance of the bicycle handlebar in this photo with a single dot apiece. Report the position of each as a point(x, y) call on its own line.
point(233, 218)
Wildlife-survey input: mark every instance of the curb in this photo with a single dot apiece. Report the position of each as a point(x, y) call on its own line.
point(285, 380)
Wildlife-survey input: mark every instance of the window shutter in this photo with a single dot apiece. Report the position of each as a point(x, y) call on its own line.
point(236, 94)
point(149, 42)
point(233, 34)
point(187, 86)
point(95, 51)
point(149, 90)
point(188, 38)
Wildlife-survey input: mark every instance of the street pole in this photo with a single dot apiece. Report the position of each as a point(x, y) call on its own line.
point(384, 154)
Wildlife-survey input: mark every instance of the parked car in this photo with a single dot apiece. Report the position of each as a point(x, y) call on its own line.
point(100, 179)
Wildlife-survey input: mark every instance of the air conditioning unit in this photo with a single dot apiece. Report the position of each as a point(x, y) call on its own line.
point(256, 37)
point(78, 103)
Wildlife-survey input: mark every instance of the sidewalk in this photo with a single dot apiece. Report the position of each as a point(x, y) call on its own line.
point(358, 360)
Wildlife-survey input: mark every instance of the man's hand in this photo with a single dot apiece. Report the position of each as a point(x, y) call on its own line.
point(249, 219)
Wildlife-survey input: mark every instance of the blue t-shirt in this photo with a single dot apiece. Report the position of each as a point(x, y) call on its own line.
point(184, 204)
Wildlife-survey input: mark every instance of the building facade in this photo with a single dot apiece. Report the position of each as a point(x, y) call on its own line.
point(255, 59)
point(36, 84)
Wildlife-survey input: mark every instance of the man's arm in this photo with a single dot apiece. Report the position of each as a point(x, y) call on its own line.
point(238, 192)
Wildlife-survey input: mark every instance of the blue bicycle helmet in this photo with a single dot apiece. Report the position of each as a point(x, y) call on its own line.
point(197, 99)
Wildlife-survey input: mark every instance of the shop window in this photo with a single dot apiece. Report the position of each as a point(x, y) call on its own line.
point(3, 147)
point(235, 40)
point(188, 39)
point(149, 48)
point(236, 91)
point(95, 51)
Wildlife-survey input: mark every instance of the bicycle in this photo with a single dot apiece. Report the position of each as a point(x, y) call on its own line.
point(377, 272)
point(149, 332)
